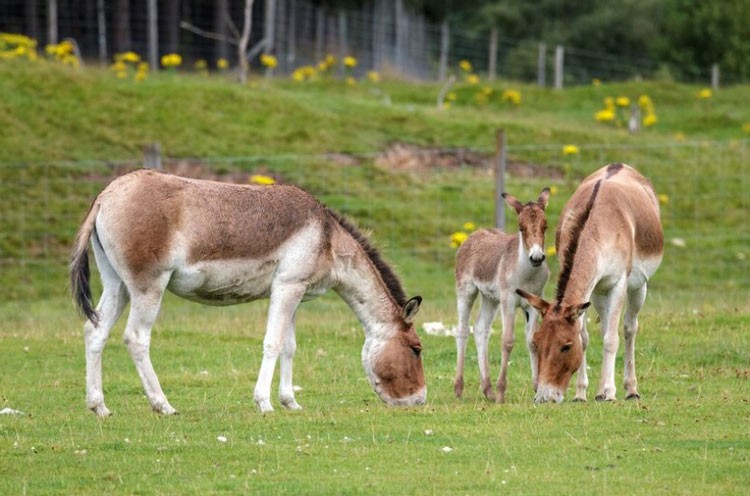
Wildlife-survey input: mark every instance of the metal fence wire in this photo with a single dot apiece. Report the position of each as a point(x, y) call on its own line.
point(705, 209)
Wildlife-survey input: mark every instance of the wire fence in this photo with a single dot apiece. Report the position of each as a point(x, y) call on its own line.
point(413, 200)
point(384, 35)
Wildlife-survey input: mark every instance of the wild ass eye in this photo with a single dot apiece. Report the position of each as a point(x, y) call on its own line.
point(566, 348)
point(416, 350)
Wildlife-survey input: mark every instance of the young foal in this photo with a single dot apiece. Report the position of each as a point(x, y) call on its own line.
point(494, 264)
point(610, 243)
point(222, 244)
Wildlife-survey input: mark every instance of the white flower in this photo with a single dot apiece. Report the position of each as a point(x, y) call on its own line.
point(429, 432)
point(446, 449)
point(221, 439)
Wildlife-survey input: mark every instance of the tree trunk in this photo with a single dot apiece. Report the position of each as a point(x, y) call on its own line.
point(400, 26)
point(244, 40)
point(270, 27)
point(444, 44)
point(52, 22)
point(153, 35)
point(378, 35)
point(101, 23)
point(291, 35)
point(493, 55)
point(31, 11)
point(172, 21)
point(122, 26)
point(221, 18)
point(320, 26)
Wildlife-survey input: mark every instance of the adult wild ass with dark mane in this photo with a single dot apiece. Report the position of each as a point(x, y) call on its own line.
point(222, 244)
point(610, 242)
point(493, 264)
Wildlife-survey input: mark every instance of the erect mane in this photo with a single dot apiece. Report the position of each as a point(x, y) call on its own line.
point(578, 223)
point(386, 273)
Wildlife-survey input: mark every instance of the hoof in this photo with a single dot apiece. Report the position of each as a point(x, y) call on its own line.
point(633, 396)
point(458, 388)
point(101, 411)
point(601, 397)
point(578, 400)
point(264, 406)
point(165, 409)
point(290, 404)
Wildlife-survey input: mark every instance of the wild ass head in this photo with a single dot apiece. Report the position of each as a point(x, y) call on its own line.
point(532, 223)
point(557, 345)
point(394, 364)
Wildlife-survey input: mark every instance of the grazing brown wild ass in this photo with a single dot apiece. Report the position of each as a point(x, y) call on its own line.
point(222, 244)
point(610, 243)
point(493, 264)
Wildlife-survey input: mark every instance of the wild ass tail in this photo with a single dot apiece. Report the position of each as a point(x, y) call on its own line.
point(79, 267)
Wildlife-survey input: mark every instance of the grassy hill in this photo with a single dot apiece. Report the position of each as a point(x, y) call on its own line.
point(66, 132)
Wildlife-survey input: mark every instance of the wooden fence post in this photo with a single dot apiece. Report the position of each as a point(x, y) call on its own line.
point(541, 66)
point(493, 54)
point(152, 156)
point(500, 179)
point(559, 64)
point(715, 77)
point(153, 35)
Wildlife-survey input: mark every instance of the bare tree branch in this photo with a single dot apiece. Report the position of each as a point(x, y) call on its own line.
point(206, 34)
point(244, 40)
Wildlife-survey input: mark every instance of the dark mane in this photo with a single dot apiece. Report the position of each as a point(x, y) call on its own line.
point(389, 277)
point(575, 233)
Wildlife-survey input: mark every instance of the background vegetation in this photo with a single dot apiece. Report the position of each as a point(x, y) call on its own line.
point(67, 132)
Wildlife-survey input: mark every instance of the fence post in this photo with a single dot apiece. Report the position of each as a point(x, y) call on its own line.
point(152, 156)
point(500, 179)
point(541, 65)
point(493, 54)
point(715, 77)
point(444, 43)
point(101, 38)
point(153, 35)
point(559, 62)
point(52, 22)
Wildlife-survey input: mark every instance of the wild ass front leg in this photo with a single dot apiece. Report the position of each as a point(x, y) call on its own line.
point(113, 301)
point(482, 339)
point(532, 316)
point(144, 308)
point(582, 376)
point(636, 299)
point(284, 302)
point(610, 317)
point(286, 384)
point(465, 302)
point(507, 317)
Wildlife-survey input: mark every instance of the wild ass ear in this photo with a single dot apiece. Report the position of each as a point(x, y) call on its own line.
point(411, 308)
point(513, 202)
point(543, 199)
point(573, 312)
point(535, 301)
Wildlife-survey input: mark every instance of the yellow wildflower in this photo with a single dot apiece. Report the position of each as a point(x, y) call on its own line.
point(705, 94)
point(171, 60)
point(200, 65)
point(551, 251)
point(746, 127)
point(605, 115)
point(373, 76)
point(622, 101)
point(679, 136)
point(451, 96)
point(350, 81)
point(298, 75)
point(350, 61)
point(472, 79)
point(511, 96)
point(609, 103)
point(129, 57)
point(469, 226)
point(465, 65)
point(222, 64)
point(268, 60)
point(262, 180)
point(458, 238)
point(644, 101)
point(553, 190)
point(329, 60)
point(596, 82)
point(663, 199)
point(649, 120)
point(570, 150)
point(140, 75)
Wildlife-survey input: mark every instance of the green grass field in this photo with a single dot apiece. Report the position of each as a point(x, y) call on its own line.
point(690, 433)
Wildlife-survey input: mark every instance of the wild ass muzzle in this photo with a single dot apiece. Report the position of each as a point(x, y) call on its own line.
point(223, 244)
point(610, 242)
point(493, 264)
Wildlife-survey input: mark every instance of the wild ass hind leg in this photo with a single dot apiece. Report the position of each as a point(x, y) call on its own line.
point(609, 313)
point(487, 311)
point(284, 302)
point(144, 308)
point(465, 298)
point(507, 317)
point(286, 384)
point(636, 298)
point(111, 304)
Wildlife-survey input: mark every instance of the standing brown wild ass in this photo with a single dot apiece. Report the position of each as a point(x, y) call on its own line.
point(610, 243)
point(493, 264)
point(222, 244)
